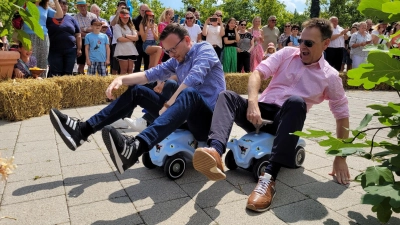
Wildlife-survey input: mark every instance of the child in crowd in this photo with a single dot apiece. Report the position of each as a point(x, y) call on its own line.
point(270, 50)
point(104, 28)
point(97, 49)
point(26, 61)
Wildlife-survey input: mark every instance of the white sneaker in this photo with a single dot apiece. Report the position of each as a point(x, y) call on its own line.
point(137, 125)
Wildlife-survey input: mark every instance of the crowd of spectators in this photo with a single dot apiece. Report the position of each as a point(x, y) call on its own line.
point(133, 42)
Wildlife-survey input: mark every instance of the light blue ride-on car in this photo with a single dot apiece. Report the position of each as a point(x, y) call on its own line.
point(173, 153)
point(253, 150)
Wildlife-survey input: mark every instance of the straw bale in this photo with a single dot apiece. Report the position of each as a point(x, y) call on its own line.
point(84, 90)
point(24, 98)
point(238, 82)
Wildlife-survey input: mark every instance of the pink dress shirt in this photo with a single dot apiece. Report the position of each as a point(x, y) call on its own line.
point(314, 83)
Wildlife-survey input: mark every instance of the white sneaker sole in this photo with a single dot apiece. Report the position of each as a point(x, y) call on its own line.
point(108, 141)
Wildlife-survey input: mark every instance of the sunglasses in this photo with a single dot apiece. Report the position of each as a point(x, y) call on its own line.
point(242, 24)
point(189, 18)
point(273, 20)
point(295, 28)
point(287, 26)
point(219, 16)
point(307, 43)
point(172, 50)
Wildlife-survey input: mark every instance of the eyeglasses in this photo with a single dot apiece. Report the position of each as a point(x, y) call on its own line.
point(189, 18)
point(172, 50)
point(307, 43)
point(242, 24)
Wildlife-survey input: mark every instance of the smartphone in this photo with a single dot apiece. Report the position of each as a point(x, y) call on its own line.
point(213, 19)
point(151, 21)
point(176, 17)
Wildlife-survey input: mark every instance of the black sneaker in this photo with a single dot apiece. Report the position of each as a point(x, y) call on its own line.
point(122, 149)
point(68, 128)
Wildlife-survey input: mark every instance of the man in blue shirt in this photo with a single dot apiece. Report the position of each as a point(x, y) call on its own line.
point(200, 79)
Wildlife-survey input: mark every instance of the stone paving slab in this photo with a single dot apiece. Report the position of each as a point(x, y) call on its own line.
point(54, 185)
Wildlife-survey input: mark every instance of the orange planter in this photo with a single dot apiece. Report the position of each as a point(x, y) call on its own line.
point(7, 61)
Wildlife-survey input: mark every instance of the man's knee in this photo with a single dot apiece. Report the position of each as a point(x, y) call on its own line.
point(296, 102)
point(227, 94)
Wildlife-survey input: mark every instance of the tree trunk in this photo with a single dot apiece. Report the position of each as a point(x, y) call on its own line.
point(315, 9)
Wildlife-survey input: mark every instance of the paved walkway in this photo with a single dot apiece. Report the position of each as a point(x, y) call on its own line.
point(53, 185)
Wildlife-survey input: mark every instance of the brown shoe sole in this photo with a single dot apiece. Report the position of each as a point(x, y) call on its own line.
point(253, 207)
point(206, 164)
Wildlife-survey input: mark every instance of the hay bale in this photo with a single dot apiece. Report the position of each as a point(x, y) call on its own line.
point(24, 98)
point(84, 90)
point(238, 82)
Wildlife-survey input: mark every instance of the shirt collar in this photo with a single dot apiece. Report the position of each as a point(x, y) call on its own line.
point(320, 62)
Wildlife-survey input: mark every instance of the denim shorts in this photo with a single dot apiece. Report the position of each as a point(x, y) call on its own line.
point(148, 43)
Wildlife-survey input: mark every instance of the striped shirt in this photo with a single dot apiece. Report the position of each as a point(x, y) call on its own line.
point(84, 21)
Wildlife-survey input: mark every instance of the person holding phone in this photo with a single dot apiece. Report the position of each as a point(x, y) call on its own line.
point(358, 41)
point(149, 32)
point(214, 33)
point(165, 19)
point(231, 38)
point(193, 29)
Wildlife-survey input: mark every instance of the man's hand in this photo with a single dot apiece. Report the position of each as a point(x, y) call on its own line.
point(254, 114)
point(340, 170)
point(117, 82)
point(158, 89)
point(163, 109)
point(78, 52)
point(88, 62)
point(107, 62)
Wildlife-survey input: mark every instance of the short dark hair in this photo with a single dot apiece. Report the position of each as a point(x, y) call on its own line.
point(94, 21)
point(295, 26)
point(191, 9)
point(324, 26)
point(174, 28)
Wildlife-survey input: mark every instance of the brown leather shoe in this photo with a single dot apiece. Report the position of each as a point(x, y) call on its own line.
point(208, 162)
point(261, 198)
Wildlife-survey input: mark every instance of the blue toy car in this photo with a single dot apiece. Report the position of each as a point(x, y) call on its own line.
point(253, 150)
point(173, 153)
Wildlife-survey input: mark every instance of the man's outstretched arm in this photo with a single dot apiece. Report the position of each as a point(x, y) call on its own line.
point(340, 168)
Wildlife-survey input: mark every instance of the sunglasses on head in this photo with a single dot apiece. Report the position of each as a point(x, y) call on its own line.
point(189, 18)
point(307, 43)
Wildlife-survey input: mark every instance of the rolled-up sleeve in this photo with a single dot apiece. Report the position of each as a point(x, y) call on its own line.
point(269, 66)
point(338, 102)
point(202, 64)
point(162, 71)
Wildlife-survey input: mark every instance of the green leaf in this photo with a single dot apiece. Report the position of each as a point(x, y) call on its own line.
point(24, 38)
point(395, 161)
point(378, 176)
point(358, 134)
point(384, 66)
point(384, 211)
point(386, 111)
point(393, 133)
point(364, 122)
point(31, 19)
point(391, 7)
point(312, 134)
point(390, 190)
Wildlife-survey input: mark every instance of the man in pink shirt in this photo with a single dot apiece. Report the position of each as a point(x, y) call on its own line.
point(300, 78)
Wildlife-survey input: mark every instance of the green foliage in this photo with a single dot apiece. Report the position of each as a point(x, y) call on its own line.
point(30, 15)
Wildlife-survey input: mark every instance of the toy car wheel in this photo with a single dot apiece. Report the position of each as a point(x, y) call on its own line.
point(300, 156)
point(398, 173)
point(259, 166)
point(174, 167)
point(146, 160)
point(230, 160)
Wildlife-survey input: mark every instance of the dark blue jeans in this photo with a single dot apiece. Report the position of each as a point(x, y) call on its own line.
point(231, 108)
point(189, 106)
point(61, 62)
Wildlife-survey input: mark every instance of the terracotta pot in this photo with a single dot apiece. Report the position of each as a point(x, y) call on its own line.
point(7, 61)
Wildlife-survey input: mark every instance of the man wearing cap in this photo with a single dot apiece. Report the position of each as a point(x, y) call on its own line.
point(84, 19)
point(334, 52)
point(270, 32)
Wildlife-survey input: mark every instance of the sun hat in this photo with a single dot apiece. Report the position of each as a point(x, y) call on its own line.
point(124, 15)
point(81, 2)
point(149, 13)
